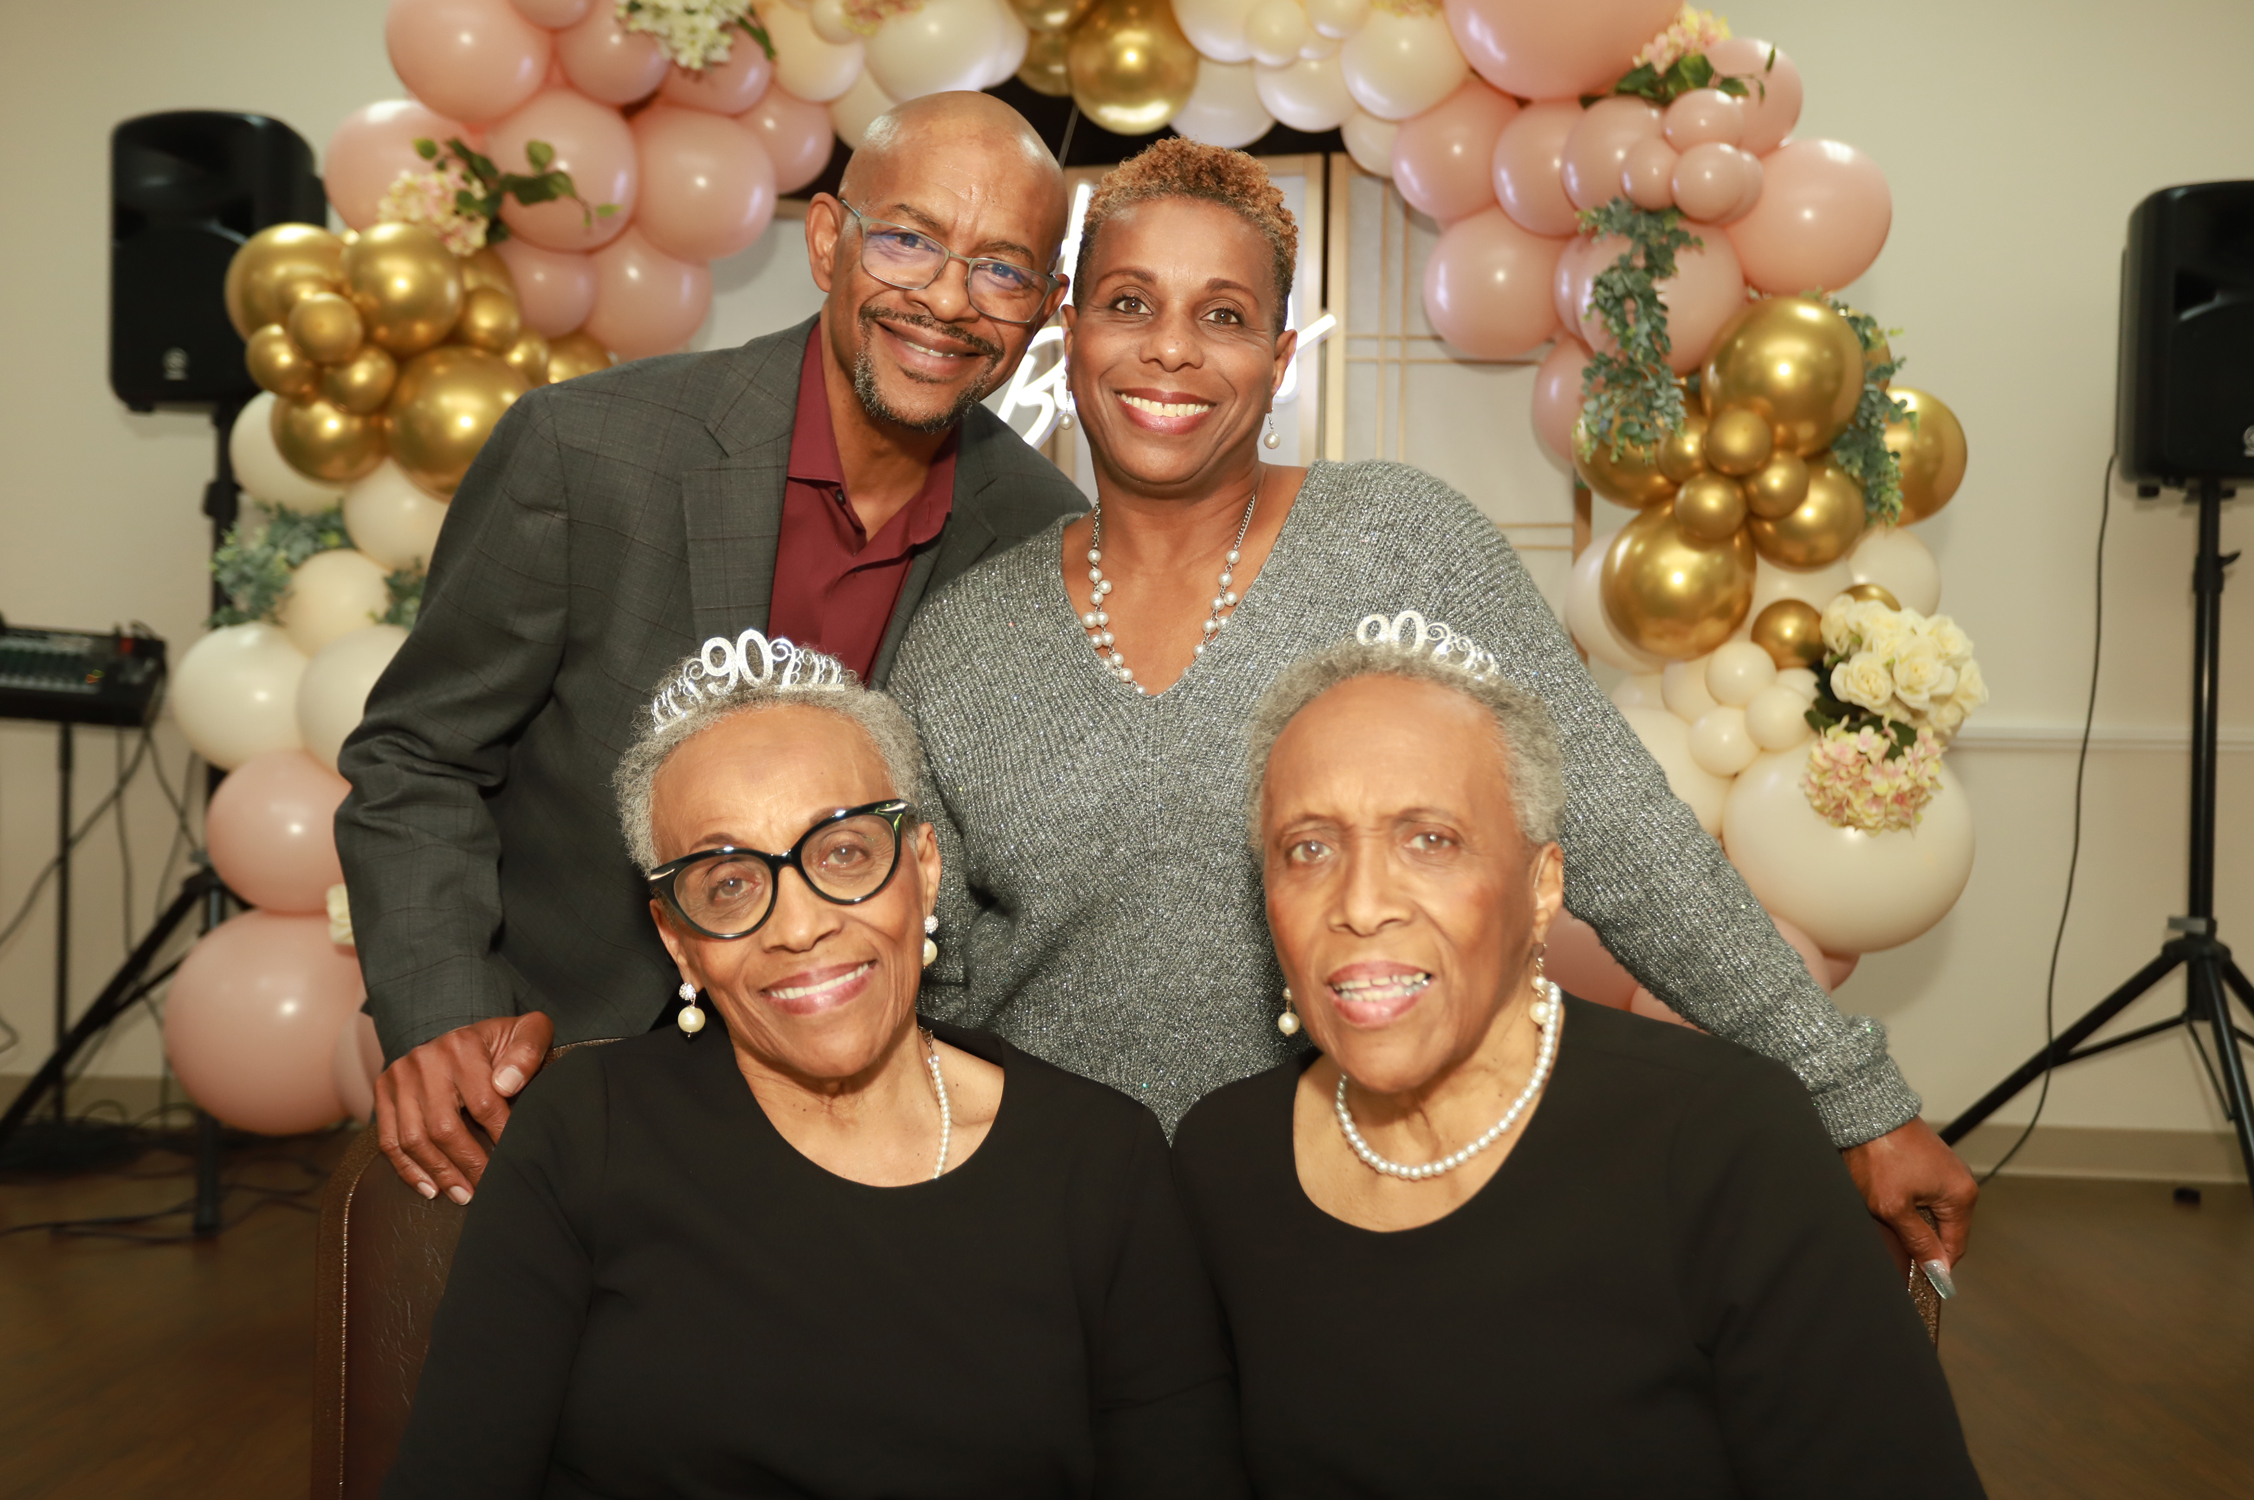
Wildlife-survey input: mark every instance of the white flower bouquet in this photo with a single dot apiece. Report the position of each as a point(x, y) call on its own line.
point(1896, 688)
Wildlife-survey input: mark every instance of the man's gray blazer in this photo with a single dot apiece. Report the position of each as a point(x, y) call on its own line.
point(611, 525)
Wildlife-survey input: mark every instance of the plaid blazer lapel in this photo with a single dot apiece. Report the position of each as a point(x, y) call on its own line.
point(732, 511)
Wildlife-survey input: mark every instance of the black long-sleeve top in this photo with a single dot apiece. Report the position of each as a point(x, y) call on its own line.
point(656, 1295)
point(1669, 1290)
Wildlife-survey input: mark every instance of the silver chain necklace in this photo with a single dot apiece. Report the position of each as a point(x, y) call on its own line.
point(1549, 1015)
point(1097, 621)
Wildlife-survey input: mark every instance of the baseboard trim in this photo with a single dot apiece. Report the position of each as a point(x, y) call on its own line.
point(2087, 1151)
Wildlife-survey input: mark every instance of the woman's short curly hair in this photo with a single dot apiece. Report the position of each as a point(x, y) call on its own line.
point(1180, 168)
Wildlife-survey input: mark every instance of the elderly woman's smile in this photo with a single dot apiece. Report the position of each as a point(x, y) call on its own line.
point(814, 990)
point(1372, 993)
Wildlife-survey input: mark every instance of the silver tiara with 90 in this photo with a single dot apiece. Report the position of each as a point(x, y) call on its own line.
point(1410, 631)
point(722, 664)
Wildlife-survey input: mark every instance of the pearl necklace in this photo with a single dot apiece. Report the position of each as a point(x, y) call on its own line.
point(1549, 1015)
point(946, 1114)
point(1097, 620)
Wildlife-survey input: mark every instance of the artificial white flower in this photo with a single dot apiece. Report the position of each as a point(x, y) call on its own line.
point(1922, 674)
point(1864, 680)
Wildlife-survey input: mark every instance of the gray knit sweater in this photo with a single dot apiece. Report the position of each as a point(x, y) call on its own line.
point(1100, 907)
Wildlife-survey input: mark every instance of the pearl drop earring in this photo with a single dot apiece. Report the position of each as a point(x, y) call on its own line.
point(689, 1018)
point(931, 949)
point(1271, 441)
point(1288, 1022)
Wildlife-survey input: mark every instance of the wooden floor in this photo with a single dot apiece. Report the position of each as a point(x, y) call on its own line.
point(2103, 1347)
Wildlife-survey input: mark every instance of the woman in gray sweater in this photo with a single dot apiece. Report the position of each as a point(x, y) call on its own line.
point(1083, 699)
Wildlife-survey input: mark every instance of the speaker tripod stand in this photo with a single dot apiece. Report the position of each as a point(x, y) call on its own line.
point(2212, 979)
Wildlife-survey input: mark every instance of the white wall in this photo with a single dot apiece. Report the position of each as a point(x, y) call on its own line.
point(2017, 137)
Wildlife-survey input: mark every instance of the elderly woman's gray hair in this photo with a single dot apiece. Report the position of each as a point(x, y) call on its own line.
point(693, 697)
point(1532, 756)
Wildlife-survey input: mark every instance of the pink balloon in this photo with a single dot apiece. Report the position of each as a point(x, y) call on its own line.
point(1487, 286)
point(1821, 221)
point(1772, 102)
point(798, 137)
point(1577, 960)
point(1542, 49)
point(467, 59)
point(1644, 1003)
point(270, 830)
point(1577, 268)
point(1647, 174)
point(354, 1064)
point(725, 88)
point(1598, 146)
point(555, 288)
point(369, 151)
point(1530, 165)
point(593, 144)
point(555, 15)
point(708, 189)
point(1819, 967)
point(646, 302)
point(1753, 180)
point(606, 62)
point(1704, 115)
point(1710, 180)
point(1705, 292)
point(1557, 406)
point(1444, 159)
point(1842, 966)
point(251, 1022)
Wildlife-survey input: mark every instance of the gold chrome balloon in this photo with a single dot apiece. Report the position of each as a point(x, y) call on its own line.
point(490, 320)
point(528, 356)
point(279, 365)
point(1932, 458)
point(444, 408)
point(1044, 70)
point(486, 268)
point(1871, 593)
point(326, 326)
point(575, 354)
point(1630, 477)
point(1131, 66)
point(1793, 361)
point(1818, 530)
point(1051, 15)
point(325, 442)
point(267, 274)
point(1738, 441)
point(1671, 596)
point(407, 285)
point(1684, 452)
point(1710, 508)
point(1792, 632)
point(1778, 486)
point(362, 384)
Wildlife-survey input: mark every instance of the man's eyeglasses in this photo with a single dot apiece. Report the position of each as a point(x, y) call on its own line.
point(910, 260)
point(728, 892)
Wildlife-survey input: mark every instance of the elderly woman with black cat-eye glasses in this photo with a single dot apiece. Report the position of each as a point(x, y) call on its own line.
point(827, 1251)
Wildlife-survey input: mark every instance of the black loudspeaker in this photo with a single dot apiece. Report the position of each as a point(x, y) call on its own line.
point(2187, 336)
point(186, 189)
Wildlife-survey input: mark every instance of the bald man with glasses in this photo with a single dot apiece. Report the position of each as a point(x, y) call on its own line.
point(815, 484)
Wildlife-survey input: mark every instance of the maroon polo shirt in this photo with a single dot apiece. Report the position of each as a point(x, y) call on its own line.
point(835, 585)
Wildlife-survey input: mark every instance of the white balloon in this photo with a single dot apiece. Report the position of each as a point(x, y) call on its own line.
point(941, 47)
point(1017, 39)
point(853, 112)
point(1777, 718)
point(234, 694)
point(806, 66)
point(1318, 48)
point(1719, 742)
point(1223, 108)
point(1737, 671)
point(1668, 740)
point(1369, 140)
point(1305, 95)
point(391, 519)
point(334, 694)
point(1639, 690)
point(1898, 562)
point(262, 471)
point(1585, 618)
point(1853, 892)
point(1399, 65)
point(1683, 683)
point(827, 17)
point(330, 594)
point(1216, 27)
point(1337, 18)
point(1801, 680)
point(1275, 31)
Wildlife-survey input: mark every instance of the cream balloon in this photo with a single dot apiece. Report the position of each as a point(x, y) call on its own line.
point(1585, 617)
point(1224, 107)
point(1853, 892)
point(330, 594)
point(234, 693)
point(1640, 690)
point(1338, 19)
point(1668, 740)
point(334, 693)
point(1771, 582)
point(1777, 718)
point(1682, 687)
point(1009, 53)
point(807, 67)
point(828, 19)
point(1217, 27)
point(1720, 742)
point(262, 471)
point(1898, 562)
point(1369, 140)
point(1801, 680)
point(1400, 65)
point(1319, 47)
point(1739, 672)
point(940, 47)
point(854, 111)
point(390, 519)
point(1275, 30)
point(1305, 95)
